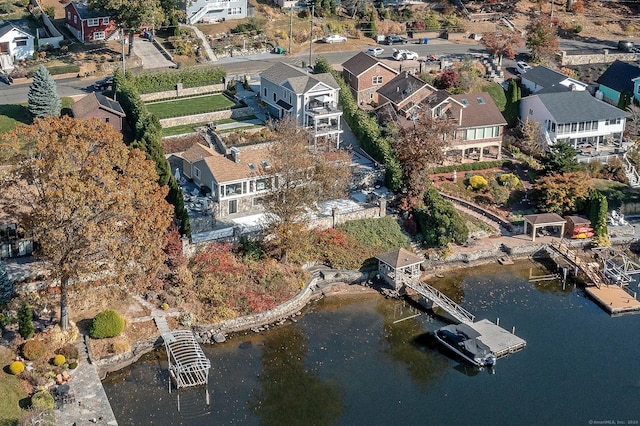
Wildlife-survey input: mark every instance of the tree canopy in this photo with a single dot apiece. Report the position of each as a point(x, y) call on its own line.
point(561, 158)
point(439, 221)
point(131, 14)
point(300, 180)
point(542, 38)
point(93, 205)
point(561, 193)
point(502, 43)
point(43, 99)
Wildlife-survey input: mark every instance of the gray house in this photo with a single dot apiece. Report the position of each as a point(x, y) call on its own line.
point(209, 11)
point(311, 99)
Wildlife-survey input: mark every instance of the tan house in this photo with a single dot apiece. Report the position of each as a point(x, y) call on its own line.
point(365, 75)
point(404, 94)
point(96, 105)
point(232, 180)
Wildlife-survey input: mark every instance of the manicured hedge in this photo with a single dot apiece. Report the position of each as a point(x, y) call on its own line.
point(189, 77)
point(106, 324)
point(482, 165)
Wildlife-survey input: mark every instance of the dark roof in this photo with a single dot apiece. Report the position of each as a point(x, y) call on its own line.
point(578, 220)
point(362, 62)
point(297, 80)
point(6, 26)
point(479, 110)
point(544, 218)
point(402, 87)
point(570, 107)
point(284, 105)
point(545, 77)
point(619, 76)
point(84, 12)
point(95, 101)
point(399, 258)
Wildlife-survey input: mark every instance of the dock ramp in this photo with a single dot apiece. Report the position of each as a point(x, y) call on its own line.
point(442, 300)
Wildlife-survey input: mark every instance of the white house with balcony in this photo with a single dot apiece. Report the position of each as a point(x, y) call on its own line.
point(586, 123)
point(311, 99)
point(210, 11)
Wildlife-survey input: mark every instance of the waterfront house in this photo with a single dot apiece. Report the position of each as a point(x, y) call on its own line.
point(310, 99)
point(16, 43)
point(210, 11)
point(620, 77)
point(404, 93)
point(88, 25)
point(365, 75)
point(96, 105)
point(541, 79)
point(588, 124)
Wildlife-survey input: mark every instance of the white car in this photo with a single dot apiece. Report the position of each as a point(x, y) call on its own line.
point(401, 55)
point(522, 67)
point(334, 38)
point(375, 51)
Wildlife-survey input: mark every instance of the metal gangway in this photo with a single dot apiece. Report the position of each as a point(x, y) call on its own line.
point(442, 300)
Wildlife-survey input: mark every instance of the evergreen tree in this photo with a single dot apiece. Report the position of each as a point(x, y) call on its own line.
point(373, 31)
point(25, 322)
point(625, 100)
point(43, 99)
point(561, 159)
point(440, 222)
point(7, 286)
point(512, 109)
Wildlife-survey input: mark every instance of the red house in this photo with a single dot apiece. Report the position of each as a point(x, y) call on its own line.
point(86, 24)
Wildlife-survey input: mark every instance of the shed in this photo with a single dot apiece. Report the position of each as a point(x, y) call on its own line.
point(578, 227)
point(543, 220)
point(399, 266)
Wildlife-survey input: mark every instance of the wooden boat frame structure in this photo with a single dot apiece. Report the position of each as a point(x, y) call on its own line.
point(188, 365)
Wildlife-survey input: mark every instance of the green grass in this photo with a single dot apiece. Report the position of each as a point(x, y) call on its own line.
point(11, 391)
point(190, 106)
point(617, 193)
point(14, 114)
point(497, 94)
point(190, 128)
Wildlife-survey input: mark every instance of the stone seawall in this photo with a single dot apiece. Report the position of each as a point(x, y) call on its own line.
point(118, 362)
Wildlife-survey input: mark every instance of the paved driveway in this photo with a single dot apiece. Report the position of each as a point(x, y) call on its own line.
point(150, 55)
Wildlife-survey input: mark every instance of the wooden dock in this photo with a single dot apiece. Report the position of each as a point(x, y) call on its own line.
point(500, 341)
point(614, 299)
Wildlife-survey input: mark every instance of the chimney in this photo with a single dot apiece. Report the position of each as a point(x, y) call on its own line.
point(235, 154)
point(397, 88)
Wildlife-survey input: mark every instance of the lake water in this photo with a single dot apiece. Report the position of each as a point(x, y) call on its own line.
point(347, 362)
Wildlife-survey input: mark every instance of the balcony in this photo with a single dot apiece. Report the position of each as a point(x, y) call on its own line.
point(316, 108)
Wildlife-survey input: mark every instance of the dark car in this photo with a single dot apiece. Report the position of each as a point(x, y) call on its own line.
point(394, 39)
point(103, 84)
point(625, 45)
point(6, 78)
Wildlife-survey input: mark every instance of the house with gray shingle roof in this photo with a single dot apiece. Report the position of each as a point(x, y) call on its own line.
point(311, 99)
point(96, 105)
point(365, 75)
point(575, 117)
point(620, 77)
point(545, 80)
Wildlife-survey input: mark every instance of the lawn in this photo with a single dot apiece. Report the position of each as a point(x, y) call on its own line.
point(11, 391)
point(190, 106)
point(12, 115)
point(191, 128)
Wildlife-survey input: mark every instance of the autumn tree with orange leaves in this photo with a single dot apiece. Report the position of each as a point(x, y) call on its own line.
point(93, 205)
point(502, 43)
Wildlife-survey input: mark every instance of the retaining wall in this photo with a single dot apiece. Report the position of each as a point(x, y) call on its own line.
point(207, 117)
point(179, 91)
point(596, 58)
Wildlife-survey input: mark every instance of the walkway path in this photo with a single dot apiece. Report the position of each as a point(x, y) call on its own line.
point(211, 56)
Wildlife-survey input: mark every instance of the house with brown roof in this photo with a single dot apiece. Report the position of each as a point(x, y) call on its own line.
point(404, 93)
point(311, 99)
point(399, 266)
point(365, 75)
point(96, 105)
point(233, 180)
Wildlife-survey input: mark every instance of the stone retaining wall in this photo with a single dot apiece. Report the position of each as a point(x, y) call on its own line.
point(117, 362)
point(179, 91)
point(236, 113)
point(596, 58)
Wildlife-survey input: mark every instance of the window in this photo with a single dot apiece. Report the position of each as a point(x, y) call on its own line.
point(263, 184)
point(274, 96)
point(93, 22)
point(574, 127)
point(21, 41)
point(377, 79)
point(265, 92)
point(581, 126)
point(370, 96)
point(553, 127)
point(233, 189)
point(464, 102)
point(99, 35)
point(105, 21)
point(68, 15)
point(106, 119)
point(75, 19)
point(480, 101)
point(257, 201)
point(233, 206)
point(196, 172)
point(235, 11)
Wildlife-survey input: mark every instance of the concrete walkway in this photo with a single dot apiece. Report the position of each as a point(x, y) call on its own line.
point(91, 405)
point(211, 56)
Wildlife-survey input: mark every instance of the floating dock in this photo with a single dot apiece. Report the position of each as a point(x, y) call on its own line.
point(614, 299)
point(500, 341)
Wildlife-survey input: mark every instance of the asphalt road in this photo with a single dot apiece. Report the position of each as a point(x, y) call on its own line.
point(254, 64)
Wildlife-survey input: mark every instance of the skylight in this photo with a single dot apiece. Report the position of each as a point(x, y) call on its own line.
point(464, 102)
point(252, 166)
point(480, 101)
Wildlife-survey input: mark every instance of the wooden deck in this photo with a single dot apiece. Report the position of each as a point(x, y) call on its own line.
point(500, 341)
point(614, 299)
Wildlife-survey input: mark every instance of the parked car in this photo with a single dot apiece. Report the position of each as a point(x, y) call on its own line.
point(401, 55)
point(625, 45)
point(375, 51)
point(394, 39)
point(103, 84)
point(334, 38)
point(522, 67)
point(6, 78)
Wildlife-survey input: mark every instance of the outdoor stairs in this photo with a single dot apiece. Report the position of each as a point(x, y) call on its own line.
point(442, 300)
point(494, 71)
point(631, 172)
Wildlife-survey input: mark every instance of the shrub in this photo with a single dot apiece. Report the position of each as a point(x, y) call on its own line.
point(59, 360)
point(509, 179)
point(107, 323)
point(69, 351)
point(25, 322)
point(120, 347)
point(165, 306)
point(42, 401)
point(33, 350)
point(73, 365)
point(16, 367)
point(477, 182)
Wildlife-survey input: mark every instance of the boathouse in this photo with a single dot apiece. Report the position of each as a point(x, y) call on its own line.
point(543, 220)
point(399, 266)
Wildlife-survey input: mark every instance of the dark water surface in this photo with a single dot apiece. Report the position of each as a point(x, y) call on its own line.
point(346, 362)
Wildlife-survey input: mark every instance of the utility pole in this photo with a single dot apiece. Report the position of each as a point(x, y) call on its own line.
point(313, 11)
point(290, 28)
point(123, 55)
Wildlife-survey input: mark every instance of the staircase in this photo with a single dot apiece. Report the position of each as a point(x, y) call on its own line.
point(442, 300)
point(631, 172)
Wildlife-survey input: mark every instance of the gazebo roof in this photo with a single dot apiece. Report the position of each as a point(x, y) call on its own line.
point(399, 258)
point(544, 219)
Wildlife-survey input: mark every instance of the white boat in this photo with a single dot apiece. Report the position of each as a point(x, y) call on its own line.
point(463, 340)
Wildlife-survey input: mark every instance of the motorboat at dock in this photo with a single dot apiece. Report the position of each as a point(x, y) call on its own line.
point(463, 340)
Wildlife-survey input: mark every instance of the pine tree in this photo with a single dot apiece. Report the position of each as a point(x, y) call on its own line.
point(512, 109)
point(43, 99)
point(6, 285)
point(25, 322)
